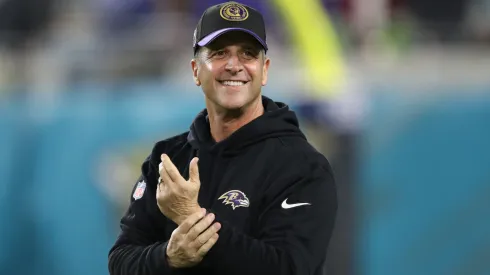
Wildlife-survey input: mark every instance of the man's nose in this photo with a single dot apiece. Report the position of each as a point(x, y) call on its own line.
point(234, 65)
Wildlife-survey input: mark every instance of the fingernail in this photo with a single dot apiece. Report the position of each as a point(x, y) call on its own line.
point(217, 225)
point(211, 216)
point(203, 211)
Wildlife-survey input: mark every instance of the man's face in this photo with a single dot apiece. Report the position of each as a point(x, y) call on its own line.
point(231, 70)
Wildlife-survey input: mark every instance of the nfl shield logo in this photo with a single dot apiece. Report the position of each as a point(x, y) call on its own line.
point(140, 190)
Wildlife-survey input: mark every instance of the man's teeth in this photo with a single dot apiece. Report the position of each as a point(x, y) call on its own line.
point(233, 83)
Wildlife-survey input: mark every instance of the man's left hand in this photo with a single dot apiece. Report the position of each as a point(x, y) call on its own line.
point(177, 197)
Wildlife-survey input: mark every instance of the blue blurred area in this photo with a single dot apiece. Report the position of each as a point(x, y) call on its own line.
point(423, 188)
point(425, 192)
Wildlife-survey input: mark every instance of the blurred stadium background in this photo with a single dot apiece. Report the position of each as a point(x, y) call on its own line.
point(395, 92)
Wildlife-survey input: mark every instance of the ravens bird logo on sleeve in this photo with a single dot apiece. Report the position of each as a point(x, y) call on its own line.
point(236, 198)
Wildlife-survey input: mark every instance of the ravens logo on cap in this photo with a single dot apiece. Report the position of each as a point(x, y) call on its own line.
point(234, 12)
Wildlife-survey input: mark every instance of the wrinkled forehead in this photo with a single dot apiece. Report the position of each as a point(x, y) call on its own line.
point(235, 38)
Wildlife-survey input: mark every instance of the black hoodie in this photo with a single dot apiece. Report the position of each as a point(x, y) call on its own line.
point(273, 193)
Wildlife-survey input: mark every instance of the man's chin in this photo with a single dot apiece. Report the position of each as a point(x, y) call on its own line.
point(233, 106)
point(233, 101)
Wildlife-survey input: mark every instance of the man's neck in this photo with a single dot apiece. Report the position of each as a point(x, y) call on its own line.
point(223, 124)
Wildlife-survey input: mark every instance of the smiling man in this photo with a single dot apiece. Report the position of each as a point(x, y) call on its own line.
point(242, 192)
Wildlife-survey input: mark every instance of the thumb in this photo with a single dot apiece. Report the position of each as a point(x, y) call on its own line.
point(194, 171)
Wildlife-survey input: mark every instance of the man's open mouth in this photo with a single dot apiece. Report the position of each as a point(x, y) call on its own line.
point(233, 83)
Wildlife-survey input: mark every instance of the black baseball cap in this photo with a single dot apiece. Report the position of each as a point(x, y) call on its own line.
point(230, 16)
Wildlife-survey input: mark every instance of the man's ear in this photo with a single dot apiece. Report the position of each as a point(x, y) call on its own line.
point(194, 67)
point(265, 70)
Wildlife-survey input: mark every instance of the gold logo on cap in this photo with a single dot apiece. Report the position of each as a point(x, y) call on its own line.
point(234, 12)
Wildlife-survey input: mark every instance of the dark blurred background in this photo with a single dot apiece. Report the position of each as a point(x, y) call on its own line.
point(396, 93)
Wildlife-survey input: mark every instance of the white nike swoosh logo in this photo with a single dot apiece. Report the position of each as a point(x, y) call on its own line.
point(285, 205)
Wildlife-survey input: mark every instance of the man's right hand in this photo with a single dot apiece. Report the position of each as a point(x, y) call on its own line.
point(192, 240)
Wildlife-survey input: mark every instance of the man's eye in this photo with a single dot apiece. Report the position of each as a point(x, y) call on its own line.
point(219, 53)
point(250, 54)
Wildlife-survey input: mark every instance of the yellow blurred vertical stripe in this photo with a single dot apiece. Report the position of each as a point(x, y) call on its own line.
point(317, 44)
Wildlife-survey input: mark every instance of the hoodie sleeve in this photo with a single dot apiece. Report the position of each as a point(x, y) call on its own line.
point(137, 250)
point(292, 240)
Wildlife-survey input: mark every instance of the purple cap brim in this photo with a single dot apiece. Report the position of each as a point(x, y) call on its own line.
point(212, 36)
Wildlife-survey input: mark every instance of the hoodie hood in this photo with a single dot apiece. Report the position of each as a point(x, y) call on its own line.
point(277, 121)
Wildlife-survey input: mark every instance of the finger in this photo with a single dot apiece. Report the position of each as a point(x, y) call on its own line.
point(206, 235)
point(160, 172)
point(160, 167)
point(194, 171)
point(159, 184)
point(208, 245)
point(172, 171)
point(190, 222)
point(166, 180)
point(199, 227)
point(162, 187)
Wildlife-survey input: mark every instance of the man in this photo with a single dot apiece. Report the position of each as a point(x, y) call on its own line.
point(269, 196)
